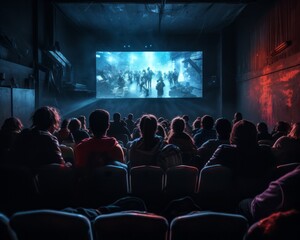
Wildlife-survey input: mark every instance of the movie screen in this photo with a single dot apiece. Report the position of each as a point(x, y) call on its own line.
point(149, 74)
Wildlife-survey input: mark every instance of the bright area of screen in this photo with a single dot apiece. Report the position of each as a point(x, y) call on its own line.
point(149, 74)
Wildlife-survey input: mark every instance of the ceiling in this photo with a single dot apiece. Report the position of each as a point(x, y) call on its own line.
point(129, 18)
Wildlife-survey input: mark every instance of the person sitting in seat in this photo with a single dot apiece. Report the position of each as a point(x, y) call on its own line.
point(144, 150)
point(99, 150)
point(38, 146)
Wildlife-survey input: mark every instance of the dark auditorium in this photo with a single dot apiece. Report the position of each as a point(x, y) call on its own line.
point(153, 120)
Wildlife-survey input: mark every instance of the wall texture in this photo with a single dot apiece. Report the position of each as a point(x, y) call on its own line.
point(268, 84)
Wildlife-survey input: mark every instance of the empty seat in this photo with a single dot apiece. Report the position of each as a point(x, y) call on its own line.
point(216, 189)
point(208, 226)
point(50, 224)
point(147, 182)
point(181, 181)
point(130, 226)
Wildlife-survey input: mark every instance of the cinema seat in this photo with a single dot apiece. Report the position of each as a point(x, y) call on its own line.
point(50, 224)
point(181, 181)
point(148, 182)
point(131, 226)
point(6, 233)
point(208, 226)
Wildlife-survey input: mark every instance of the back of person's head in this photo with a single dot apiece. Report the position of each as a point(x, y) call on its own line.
point(178, 125)
point(282, 126)
point(295, 131)
point(148, 126)
point(262, 127)
point(243, 134)
point(99, 122)
point(186, 118)
point(237, 117)
point(65, 123)
point(130, 116)
point(197, 123)
point(74, 124)
point(278, 226)
point(207, 122)
point(82, 119)
point(117, 117)
point(45, 118)
point(223, 128)
point(12, 124)
point(161, 131)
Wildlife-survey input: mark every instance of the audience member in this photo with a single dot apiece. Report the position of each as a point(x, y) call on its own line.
point(64, 135)
point(161, 131)
point(196, 126)
point(206, 131)
point(100, 150)
point(188, 128)
point(249, 161)
point(281, 129)
point(281, 195)
point(118, 129)
point(38, 146)
point(237, 117)
point(144, 150)
point(130, 123)
point(77, 132)
point(82, 120)
point(180, 138)
point(263, 131)
point(277, 226)
point(223, 128)
point(8, 134)
point(287, 148)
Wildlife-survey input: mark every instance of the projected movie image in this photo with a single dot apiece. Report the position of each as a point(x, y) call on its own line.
point(149, 74)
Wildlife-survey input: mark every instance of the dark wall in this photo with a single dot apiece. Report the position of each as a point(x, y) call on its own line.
point(267, 84)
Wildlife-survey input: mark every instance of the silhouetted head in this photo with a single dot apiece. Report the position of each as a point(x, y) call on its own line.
point(148, 126)
point(130, 116)
point(74, 124)
point(262, 127)
point(65, 123)
point(178, 125)
point(223, 128)
point(207, 122)
point(46, 119)
point(117, 117)
point(99, 122)
point(186, 118)
point(243, 134)
point(197, 123)
point(82, 119)
point(12, 124)
point(282, 126)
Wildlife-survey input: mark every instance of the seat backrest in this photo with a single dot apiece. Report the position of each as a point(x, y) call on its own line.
point(107, 184)
point(18, 189)
point(6, 232)
point(208, 225)
point(130, 225)
point(147, 182)
point(57, 185)
point(181, 181)
point(216, 189)
point(50, 224)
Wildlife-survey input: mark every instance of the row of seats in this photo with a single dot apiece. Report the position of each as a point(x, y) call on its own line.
point(58, 187)
point(58, 225)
